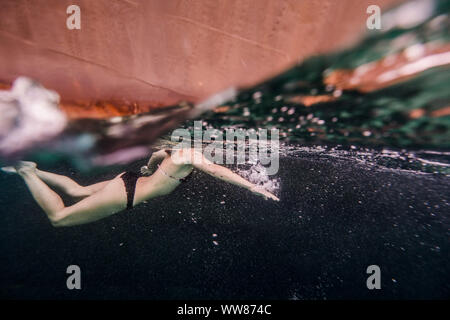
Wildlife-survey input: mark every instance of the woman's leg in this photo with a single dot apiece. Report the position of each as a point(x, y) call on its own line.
point(62, 183)
point(47, 199)
point(107, 201)
point(68, 186)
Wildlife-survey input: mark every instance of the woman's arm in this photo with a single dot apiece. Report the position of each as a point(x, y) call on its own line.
point(154, 160)
point(227, 175)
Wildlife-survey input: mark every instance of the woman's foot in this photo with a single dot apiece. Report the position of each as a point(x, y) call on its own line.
point(8, 169)
point(21, 167)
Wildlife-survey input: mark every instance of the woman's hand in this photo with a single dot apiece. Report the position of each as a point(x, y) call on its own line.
point(258, 190)
point(152, 164)
point(146, 171)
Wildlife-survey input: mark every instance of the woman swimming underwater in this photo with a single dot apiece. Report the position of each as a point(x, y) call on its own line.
point(126, 190)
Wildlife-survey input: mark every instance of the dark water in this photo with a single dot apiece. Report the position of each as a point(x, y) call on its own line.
point(336, 217)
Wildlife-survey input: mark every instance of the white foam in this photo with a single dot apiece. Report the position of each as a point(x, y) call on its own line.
point(257, 174)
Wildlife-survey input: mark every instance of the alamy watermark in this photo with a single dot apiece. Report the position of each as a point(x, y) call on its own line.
point(231, 146)
point(74, 280)
point(374, 20)
point(74, 20)
point(374, 280)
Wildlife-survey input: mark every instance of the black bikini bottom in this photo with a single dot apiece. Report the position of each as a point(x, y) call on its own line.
point(129, 179)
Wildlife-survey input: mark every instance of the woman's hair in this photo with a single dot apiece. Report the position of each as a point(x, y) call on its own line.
point(163, 143)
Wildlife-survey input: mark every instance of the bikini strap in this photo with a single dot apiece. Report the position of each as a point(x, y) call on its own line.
point(168, 175)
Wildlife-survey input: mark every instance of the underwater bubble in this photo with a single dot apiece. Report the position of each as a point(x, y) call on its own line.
point(257, 95)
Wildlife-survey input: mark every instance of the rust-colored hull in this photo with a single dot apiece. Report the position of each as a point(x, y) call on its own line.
point(132, 56)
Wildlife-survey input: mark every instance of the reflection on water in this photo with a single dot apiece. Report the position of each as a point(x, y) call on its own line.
point(385, 102)
point(418, 162)
point(391, 90)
